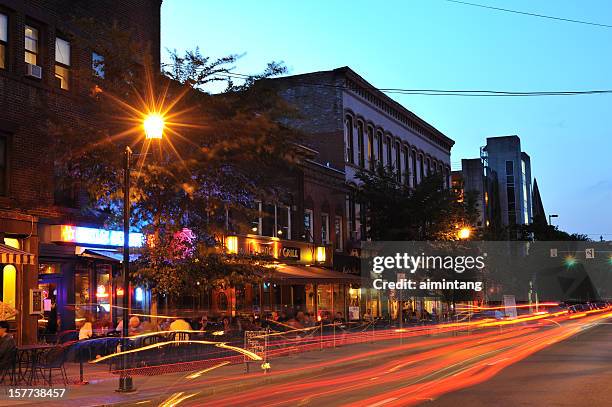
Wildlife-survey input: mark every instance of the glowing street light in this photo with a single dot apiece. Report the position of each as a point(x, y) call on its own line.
point(464, 233)
point(153, 126)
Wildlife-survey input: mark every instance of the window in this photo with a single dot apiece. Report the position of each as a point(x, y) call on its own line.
point(406, 155)
point(283, 222)
point(360, 145)
point(62, 63)
point(338, 232)
point(421, 170)
point(97, 65)
point(398, 162)
point(348, 140)
point(371, 147)
point(3, 166)
point(378, 146)
point(414, 168)
point(510, 192)
point(324, 228)
point(308, 225)
point(3, 40)
point(389, 152)
point(31, 45)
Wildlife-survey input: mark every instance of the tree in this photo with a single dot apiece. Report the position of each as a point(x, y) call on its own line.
point(430, 211)
point(219, 153)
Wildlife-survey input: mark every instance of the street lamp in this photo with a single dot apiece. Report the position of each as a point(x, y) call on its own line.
point(153, 125)
point(464, 233)
point(550, 218)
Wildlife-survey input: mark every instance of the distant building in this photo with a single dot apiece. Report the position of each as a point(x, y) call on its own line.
point(477, 179)
point(503, 156)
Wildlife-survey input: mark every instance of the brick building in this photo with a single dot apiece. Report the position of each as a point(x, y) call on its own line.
point(354, 126)
point(39, 56)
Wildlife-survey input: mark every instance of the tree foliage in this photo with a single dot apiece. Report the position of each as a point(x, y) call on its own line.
point(219, 152)
point(430, 211)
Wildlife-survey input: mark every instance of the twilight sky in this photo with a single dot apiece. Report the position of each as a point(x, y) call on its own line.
point(435, 44)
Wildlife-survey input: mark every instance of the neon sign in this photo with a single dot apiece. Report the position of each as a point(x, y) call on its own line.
point(102, 237)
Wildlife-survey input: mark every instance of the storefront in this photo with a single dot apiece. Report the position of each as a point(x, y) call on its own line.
point(79, 276)
point(300, 279)
point(18, 257)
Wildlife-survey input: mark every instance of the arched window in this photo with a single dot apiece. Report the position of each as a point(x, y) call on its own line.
point(348, 139)
point(360, 145)
point(371, 158)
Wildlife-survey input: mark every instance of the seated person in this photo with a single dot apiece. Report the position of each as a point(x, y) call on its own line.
point(7, 346)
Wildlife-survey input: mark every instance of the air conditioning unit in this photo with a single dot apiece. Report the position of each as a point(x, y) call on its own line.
point(34, 71)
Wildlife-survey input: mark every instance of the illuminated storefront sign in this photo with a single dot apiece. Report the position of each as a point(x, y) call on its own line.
point(101, 237)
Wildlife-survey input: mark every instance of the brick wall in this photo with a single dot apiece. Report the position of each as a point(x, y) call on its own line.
point(25, 103)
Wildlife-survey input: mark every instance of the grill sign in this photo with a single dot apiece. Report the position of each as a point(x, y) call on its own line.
point(290, 253)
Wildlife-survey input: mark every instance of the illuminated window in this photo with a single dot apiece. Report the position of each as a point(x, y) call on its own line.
point(9, 281)
point(62, 63)
point(31, 45)
point(97, 65)
point(3, 40)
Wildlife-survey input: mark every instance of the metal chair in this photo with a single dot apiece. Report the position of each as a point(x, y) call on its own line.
point(9, 369)
point(54, 359)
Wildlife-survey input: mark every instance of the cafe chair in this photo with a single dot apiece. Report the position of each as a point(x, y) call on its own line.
point(52, 360)
point(9, 370)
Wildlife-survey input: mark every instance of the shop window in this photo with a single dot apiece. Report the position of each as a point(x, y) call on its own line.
point(3, 40)
point(9, 285)
point(31, 45)
point(97, 65)
point(308, 225)
point(62, 63)
point(81, 295)
point(49, 268)
point(103, 289)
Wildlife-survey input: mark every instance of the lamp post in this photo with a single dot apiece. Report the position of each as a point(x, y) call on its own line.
point(550, 218)
point(153, 126)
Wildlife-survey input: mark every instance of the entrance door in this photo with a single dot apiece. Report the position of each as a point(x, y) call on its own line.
point(49, 324)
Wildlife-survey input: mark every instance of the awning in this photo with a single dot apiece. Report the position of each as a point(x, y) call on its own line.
point(304, 274)
point(107, 255)
point(10, 255)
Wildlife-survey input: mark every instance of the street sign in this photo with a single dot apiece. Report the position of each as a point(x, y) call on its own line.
point(553, 252)
point(589, 253)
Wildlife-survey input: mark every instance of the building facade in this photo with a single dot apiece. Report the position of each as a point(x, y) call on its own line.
point(513, 168)
point(355, 127)
point(40, 54)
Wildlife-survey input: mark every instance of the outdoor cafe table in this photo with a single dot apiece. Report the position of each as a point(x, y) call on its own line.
point(27, 356)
